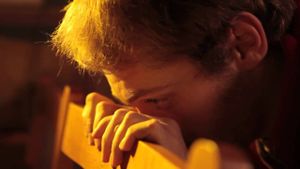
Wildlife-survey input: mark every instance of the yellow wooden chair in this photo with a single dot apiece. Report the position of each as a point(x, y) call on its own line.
point(71, 146)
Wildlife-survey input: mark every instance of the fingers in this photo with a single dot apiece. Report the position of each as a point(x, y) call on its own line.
point(130, 118)
point(139, 131)
point(116, 128)
point(89, 112)
point(108, 135)
point(90, 104)
point(112, 133)
point(99, 130)
point(103, 109)
point(157, 131)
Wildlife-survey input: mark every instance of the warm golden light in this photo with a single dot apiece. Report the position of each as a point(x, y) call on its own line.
point(204, 154)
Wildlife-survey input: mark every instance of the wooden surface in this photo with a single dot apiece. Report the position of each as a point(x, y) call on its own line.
point(59, 160)
point(76, 147)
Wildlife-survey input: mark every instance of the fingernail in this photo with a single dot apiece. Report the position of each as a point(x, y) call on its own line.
point(104, 158)
point(114, 162)
point(90, 140)
point(101, 156)
point(98, 144)
point(111, 161)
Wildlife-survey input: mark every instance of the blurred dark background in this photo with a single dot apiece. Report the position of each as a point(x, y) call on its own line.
point(31, 80)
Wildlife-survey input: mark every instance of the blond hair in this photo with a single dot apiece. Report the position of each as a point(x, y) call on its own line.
point(106, 34)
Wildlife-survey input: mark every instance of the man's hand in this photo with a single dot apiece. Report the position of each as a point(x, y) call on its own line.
point(95, 102)
point(115, 128)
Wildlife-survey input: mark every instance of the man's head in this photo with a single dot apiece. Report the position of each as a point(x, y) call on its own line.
point(112, 33)
point(173, 58)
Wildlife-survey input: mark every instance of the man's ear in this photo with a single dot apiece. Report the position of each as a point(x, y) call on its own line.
point(248, 40)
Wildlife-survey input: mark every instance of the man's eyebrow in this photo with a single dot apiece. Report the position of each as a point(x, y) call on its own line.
point(135, 95)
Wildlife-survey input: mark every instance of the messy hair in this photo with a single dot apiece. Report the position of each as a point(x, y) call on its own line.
point(108, 34)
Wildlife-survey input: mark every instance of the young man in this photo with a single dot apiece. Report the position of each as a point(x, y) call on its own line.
point(179, 69)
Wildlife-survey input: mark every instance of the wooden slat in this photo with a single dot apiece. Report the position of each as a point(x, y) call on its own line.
point(146, 155)
point(59, 161)
point(203, 154)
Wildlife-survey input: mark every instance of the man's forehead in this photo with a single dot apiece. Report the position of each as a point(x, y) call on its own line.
point(138, 80)
point(139, 77)
point(127, 92)
point(133, 95)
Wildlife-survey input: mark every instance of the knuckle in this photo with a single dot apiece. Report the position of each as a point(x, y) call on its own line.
point(102, 106)
point(105, 108)
point(105, 119)
point(119, 112)
point(130, 115)
point(86, 113)
point(130, 131)
point(98, 125)
point(91, 97)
